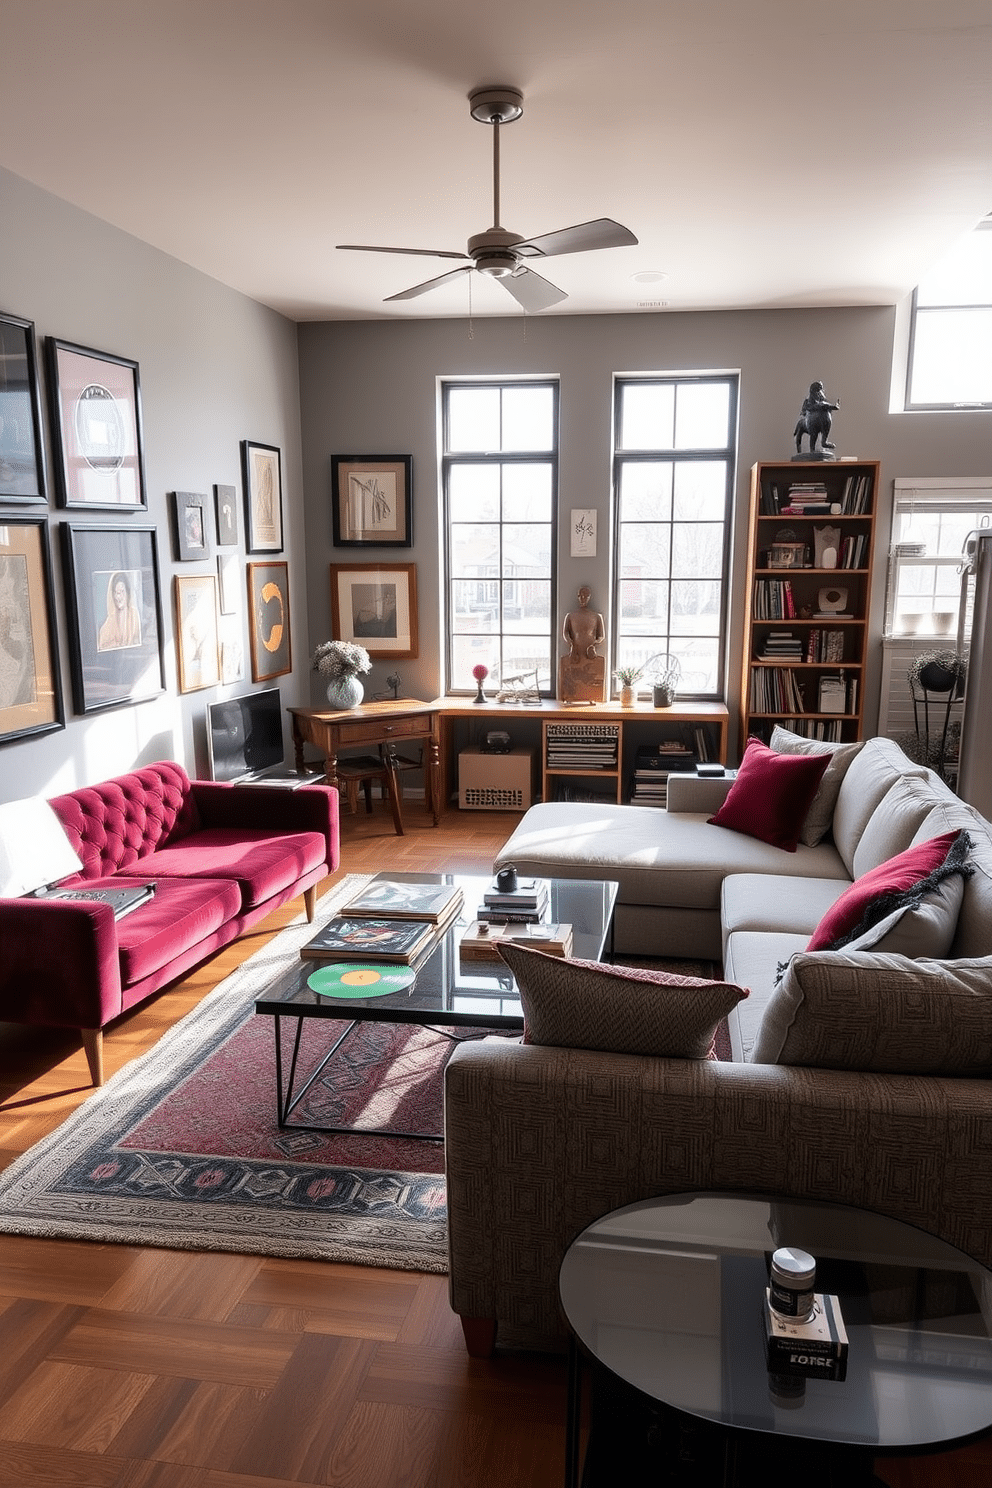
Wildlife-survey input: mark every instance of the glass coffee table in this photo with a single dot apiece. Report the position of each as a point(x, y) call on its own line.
point(448, 993)
point(666, 1296)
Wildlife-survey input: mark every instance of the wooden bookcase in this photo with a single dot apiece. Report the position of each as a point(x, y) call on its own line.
point(804, 645)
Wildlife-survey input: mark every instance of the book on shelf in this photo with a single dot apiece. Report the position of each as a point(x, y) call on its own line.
point(481, 939)
point(344, 938)
point(395, 900)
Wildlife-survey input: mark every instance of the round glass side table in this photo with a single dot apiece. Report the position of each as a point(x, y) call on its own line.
point(666, 1297)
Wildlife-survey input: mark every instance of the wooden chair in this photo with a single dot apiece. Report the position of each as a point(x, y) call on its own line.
point(358, 773)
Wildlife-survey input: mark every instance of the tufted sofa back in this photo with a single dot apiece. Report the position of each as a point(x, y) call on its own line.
point(113, 824)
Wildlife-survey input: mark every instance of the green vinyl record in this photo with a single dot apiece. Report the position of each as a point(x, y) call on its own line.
point(351, 979)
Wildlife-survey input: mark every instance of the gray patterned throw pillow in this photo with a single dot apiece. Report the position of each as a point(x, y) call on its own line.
point(573, 1004)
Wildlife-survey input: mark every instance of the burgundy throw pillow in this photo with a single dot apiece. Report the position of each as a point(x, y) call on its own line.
point(772, 794)
point(889, 887)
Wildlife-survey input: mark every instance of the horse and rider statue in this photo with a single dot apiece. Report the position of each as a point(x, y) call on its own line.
point(815, 420)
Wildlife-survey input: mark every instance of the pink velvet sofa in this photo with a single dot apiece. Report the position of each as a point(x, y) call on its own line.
point(222, 857)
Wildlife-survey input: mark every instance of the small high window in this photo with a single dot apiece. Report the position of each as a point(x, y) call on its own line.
point(950, 357)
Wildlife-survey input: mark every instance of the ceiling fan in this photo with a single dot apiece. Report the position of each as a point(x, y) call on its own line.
point(502, 254)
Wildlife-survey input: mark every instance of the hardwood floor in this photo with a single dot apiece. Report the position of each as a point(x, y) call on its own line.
point(126, 1367)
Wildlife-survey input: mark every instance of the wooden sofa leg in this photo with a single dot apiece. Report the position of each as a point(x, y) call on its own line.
point(310, 902)
point(93, 1044)
point(480, 1336)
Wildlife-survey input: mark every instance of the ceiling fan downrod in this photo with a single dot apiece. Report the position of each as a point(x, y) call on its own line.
point(491, 250)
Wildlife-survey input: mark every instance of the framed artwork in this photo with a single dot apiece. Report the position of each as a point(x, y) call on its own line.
point(197, 639)
point(189, 517)
point(112, 596)
point(377, 607)
point(261, 468)
point(232, 661)
point(22, 447)
point(226, 511)
point(372, 500)
point(268, 620)
point(30, 685)
point(96, 412)
point(582, 526)
point(228, 580)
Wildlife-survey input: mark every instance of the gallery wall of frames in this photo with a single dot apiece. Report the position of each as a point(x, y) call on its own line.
point(108, 559)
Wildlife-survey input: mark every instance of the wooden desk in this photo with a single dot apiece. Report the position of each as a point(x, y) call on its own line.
point(387, 724)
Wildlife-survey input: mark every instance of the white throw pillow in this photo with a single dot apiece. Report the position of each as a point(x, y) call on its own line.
point(821, 812)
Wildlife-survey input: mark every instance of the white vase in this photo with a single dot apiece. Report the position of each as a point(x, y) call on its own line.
point(628, 697)
point(345, 692)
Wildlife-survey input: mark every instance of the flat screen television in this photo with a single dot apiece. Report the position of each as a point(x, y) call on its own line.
point(244, 736)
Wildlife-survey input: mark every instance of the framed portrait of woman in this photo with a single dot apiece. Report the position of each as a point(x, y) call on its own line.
point(114, 607)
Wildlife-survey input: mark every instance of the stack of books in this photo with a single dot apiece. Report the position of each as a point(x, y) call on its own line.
point(524, 905)
point(388, 920)
point(807, 499)
point(782, 645)
point(481, 940)
point(652, 768)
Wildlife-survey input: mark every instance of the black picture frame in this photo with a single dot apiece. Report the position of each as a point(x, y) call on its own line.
point(190, 531)
point(372, 501)
point(30, 675)
point(226, 510)
point(261, 470)
point(268, 620)
point(95, 400)
point(22, 443)
point(116, 645)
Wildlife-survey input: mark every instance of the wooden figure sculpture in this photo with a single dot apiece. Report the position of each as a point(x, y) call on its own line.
point(582, 673)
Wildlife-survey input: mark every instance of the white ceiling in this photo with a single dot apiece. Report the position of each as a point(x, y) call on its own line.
point(764, 153)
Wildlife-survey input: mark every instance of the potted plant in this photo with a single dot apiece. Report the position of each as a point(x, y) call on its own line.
point(628, 677)
point(339, 663)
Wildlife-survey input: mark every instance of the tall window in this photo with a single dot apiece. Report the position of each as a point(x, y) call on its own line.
point(950, 359)
point(674, 472)
point(500, 475)
point(931, 520)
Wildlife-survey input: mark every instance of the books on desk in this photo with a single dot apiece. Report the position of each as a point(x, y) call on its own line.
point(350, 938)
point(481, 939)
point(395, 900)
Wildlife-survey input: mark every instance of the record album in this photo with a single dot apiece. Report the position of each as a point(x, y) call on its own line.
point(349, 979)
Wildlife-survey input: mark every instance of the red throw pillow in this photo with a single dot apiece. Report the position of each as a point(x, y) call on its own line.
point(882, 891)
point(772, 794)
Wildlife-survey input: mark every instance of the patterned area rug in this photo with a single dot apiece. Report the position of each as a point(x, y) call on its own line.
point(182, 1148)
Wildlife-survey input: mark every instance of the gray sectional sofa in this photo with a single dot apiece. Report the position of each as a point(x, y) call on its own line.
point(542, 1140)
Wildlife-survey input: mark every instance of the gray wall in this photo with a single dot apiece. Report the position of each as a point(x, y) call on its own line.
point(215, 368)
point(371, 387)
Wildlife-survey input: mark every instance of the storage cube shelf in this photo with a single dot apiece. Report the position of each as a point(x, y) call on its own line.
point(811, 536)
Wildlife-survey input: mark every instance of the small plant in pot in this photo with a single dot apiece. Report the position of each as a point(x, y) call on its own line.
point(628, 677)
point(665, 673)
point(339, 663)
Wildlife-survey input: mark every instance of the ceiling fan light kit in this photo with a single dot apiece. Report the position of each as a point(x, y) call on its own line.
point(498, 253)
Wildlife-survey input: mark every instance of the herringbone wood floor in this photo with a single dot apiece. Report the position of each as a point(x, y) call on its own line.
point(122, 1367)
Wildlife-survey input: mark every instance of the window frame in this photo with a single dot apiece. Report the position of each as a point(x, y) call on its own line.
point(916, 312)
point(960, 496)
point(729, 454)
point(449, 459)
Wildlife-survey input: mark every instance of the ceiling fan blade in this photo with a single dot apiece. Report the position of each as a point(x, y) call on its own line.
point(419, 289)
point(603, 233)
point(531, 291)
point(423, 252)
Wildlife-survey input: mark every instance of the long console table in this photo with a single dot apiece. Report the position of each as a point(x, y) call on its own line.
point(388, 723)
point(494, 716)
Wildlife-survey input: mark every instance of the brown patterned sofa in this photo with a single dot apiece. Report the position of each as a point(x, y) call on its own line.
point(542, 1140)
